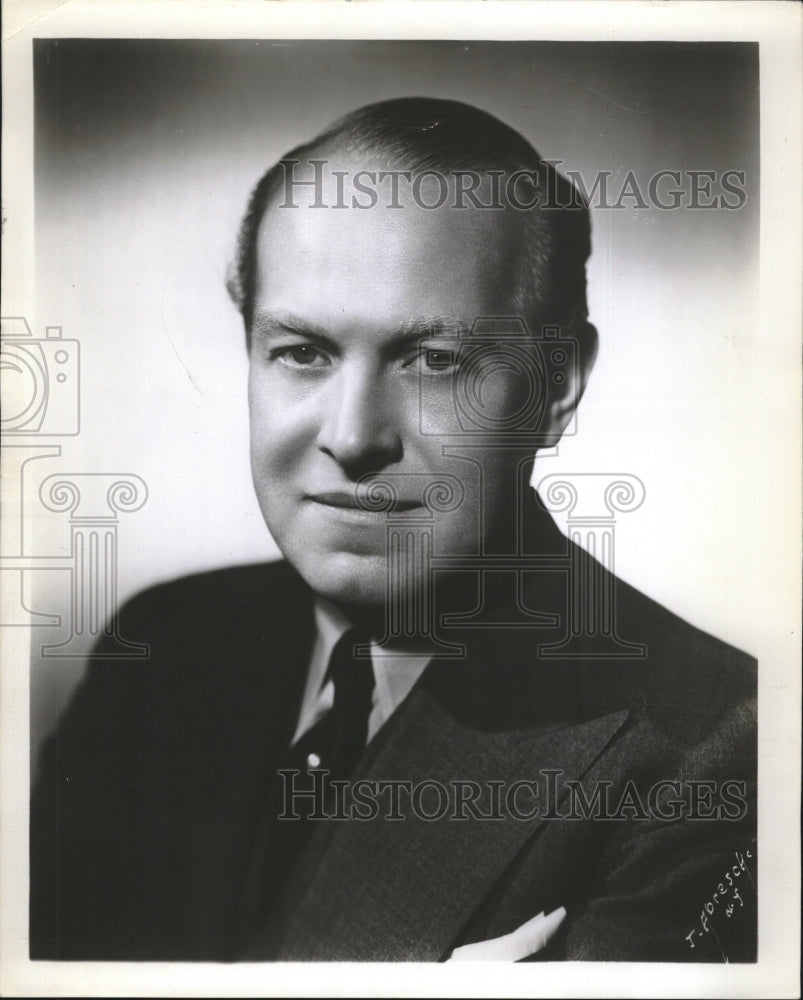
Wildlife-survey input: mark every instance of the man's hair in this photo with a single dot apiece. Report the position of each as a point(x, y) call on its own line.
point(429, 134)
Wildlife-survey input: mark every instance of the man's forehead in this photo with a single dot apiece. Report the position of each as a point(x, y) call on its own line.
point(335, 223)
point(393, 265)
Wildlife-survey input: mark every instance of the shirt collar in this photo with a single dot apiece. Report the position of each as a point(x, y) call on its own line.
point(395, 672)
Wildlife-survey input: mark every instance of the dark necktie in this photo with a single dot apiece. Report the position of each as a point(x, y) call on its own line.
point(339, 742)
point(332, 747)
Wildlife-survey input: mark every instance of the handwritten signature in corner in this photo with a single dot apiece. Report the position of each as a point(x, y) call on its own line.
point(725, 899)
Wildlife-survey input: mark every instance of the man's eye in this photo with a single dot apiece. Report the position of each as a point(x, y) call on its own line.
point(301, 356)
point(435, 361)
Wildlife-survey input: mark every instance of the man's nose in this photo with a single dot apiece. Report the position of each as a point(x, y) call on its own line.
point(358, 428)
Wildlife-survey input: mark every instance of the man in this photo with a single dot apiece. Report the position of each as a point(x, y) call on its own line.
point(412, 739)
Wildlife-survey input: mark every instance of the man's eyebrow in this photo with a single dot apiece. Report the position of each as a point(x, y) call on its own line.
point(287, 322)
point(432, 326)
point(411, 330)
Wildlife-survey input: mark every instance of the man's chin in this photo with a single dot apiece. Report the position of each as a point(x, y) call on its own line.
point(346, 580)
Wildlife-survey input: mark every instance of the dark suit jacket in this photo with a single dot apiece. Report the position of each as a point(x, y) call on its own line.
point(149, 824)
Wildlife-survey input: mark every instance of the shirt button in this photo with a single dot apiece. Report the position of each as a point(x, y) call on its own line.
point(313, 760)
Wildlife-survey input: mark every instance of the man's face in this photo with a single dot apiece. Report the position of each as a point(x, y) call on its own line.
point(351, 306)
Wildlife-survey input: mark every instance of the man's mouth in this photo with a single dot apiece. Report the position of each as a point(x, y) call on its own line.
point(363, 501)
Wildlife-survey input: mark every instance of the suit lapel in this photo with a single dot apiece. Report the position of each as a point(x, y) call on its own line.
point(402, 889)
point(257, 672)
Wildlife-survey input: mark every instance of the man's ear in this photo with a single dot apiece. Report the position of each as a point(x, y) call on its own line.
point(565, 393)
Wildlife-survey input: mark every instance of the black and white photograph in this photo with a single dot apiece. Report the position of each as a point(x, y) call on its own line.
point(401, 506)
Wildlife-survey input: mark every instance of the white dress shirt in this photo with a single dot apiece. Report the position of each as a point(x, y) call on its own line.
point(395, 672)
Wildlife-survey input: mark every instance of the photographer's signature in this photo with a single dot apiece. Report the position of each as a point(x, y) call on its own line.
point(727, 899)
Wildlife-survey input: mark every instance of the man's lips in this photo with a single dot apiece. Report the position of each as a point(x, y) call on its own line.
point(362, 501)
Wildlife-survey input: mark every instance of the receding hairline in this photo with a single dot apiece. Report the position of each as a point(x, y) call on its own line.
point(400, 135)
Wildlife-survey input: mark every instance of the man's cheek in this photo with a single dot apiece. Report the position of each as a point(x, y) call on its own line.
point(273, 461)
point(274, 429)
